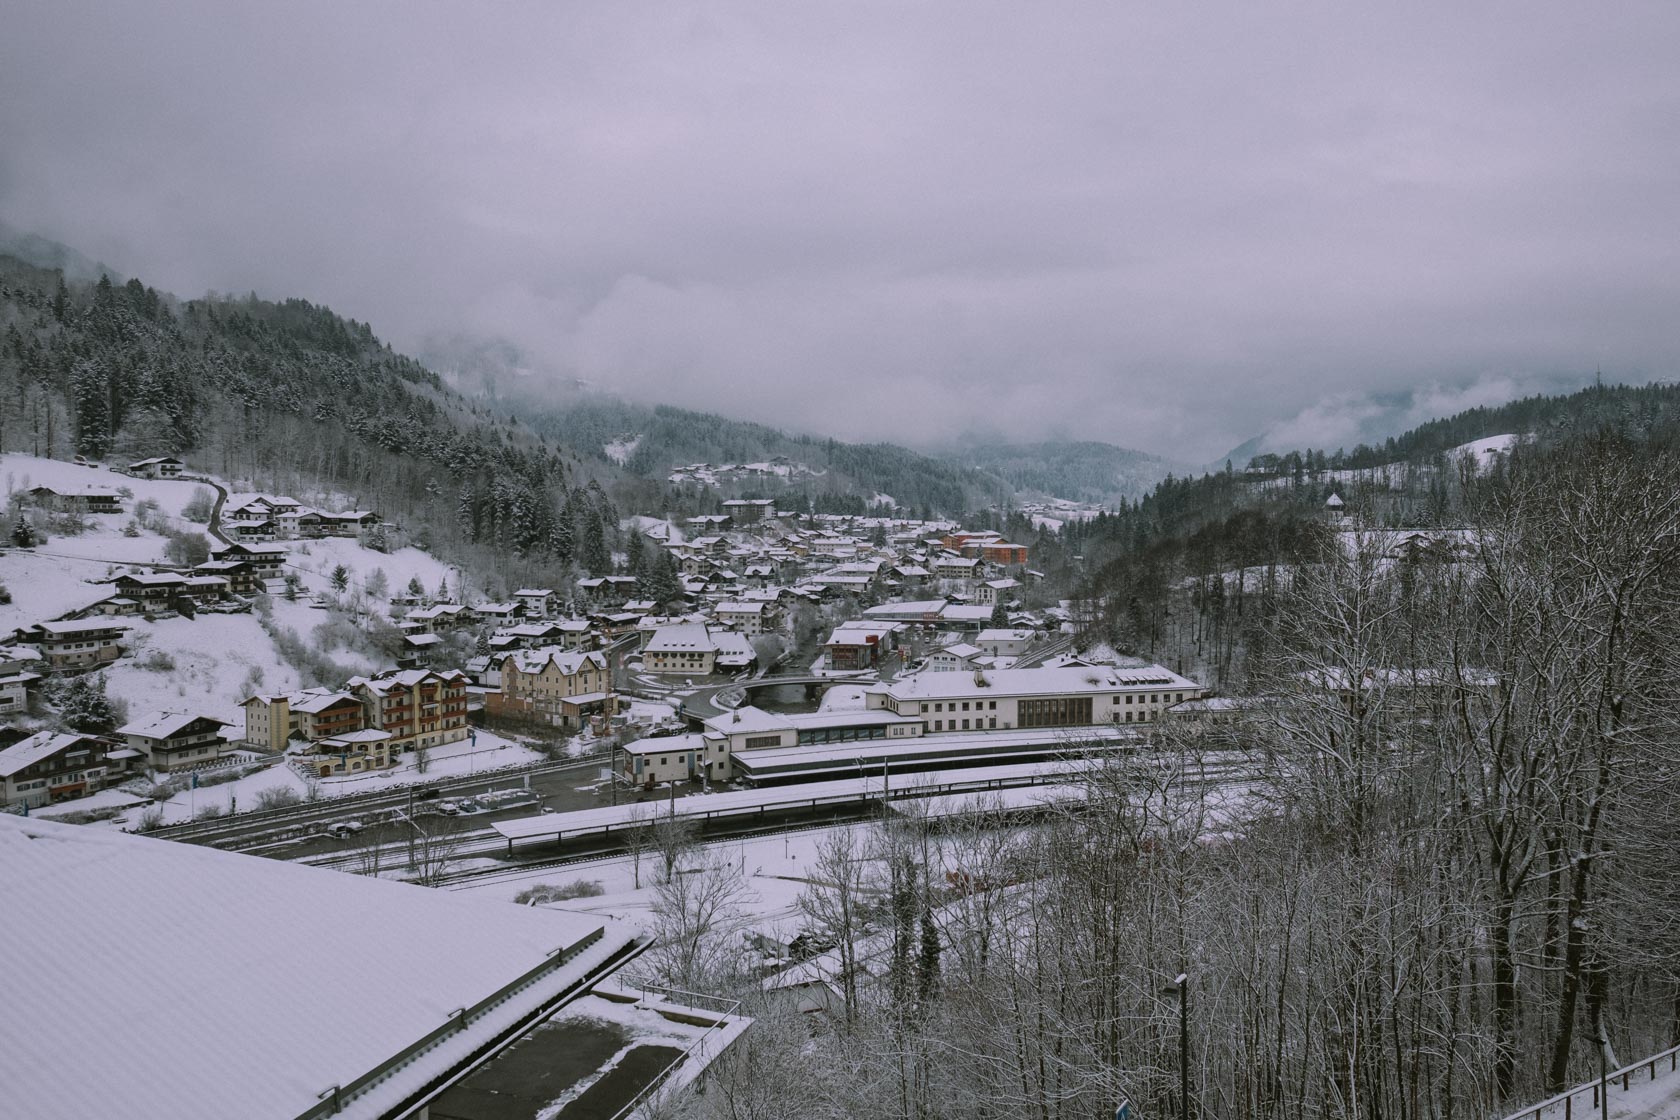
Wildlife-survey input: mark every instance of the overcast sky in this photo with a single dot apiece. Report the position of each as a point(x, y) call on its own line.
point(1168, 226)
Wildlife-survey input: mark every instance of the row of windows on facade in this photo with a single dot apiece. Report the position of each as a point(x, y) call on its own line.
point(62, 779)
point(939, 725)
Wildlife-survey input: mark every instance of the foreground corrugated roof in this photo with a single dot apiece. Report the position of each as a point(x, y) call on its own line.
point(226, 985)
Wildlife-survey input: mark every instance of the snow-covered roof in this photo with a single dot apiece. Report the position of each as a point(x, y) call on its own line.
point(862, 633)
point(162, 725)
point(27, 752)
point(318, 699)
point(747, 718)
point(1035, 682)
point(569, 662)
point(667, 744)
point(405, 678)
point(1004, 635)
point(353, 738)
point(905, 610)
point(685, 637)
point(83, 626)
point(324, 1017)
point(153, 579)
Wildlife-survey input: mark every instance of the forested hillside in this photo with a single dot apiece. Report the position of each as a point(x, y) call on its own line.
point(1079, 470)
point(1160, 573)
point(649, 441)
point(283, 396)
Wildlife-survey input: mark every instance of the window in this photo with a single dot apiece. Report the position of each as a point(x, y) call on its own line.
point(991, 721)
point(992, 706)
point(965, 708)
point(1058, 711)
point(939, 725)
point(965, 722)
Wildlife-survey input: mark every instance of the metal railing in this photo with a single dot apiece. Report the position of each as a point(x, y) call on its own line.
point(680, 999)
point(1624, 1077)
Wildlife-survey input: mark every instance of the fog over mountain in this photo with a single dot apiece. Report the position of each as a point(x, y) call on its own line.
point(1164, 229)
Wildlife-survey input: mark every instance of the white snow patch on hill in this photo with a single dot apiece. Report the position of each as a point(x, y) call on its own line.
point(621, 449)
point(1484, 451)
point(215, 661)
point(315, 560)
point(53, 578)
point(655, 528)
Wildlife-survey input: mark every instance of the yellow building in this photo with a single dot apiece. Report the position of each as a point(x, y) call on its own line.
point(559, 687)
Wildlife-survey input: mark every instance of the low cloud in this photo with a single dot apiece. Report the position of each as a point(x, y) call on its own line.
point(1167, 228)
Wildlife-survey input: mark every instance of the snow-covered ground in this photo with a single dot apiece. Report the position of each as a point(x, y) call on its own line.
point(1644, 1098)
point(655, 528)
point(621, 449)
point(24, 471)
point(53, 578)
point(775, 870)
point(844, 698)
point(315, 560)
point(1483, 451)
point(1394, 475)
point(219, 660)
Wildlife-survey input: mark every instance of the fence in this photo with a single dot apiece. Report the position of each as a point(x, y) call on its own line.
point(1583, 1100)
point(727, 1008)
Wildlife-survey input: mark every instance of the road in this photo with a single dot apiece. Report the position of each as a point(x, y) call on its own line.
point(706, 703)
point(1038, 655)
point(215, 523)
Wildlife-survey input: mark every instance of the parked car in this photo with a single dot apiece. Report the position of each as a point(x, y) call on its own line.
point(340, 830)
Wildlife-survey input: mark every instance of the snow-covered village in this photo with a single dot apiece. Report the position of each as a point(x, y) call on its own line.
point(608, 562)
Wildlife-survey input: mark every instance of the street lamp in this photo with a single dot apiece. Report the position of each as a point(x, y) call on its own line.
point(1603, 1076)
point(1181, 987)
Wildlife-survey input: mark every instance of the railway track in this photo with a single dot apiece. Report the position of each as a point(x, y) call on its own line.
point(268, 825)
point(1219, 772)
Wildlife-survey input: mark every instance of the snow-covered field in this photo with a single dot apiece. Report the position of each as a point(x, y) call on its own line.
point(1484, 451)
point(621, 449)
point(1394, 475)
point(52, 579)
point(315, 560)
point(219, 659)
point(776, 870)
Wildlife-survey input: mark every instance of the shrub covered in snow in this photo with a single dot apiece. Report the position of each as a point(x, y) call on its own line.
point(544, 893)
